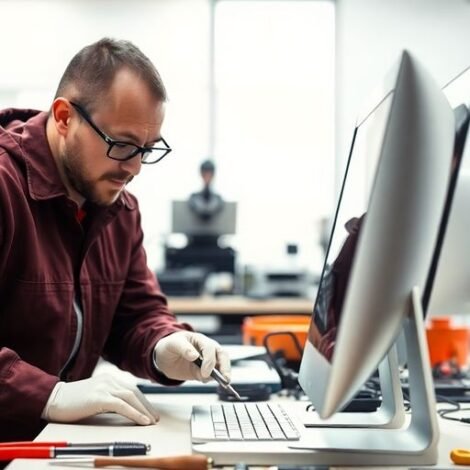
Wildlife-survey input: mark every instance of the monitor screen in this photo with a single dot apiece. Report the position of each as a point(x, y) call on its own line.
point(447, 291)
point(349, 218)
point(394, 191)
point(185, 220)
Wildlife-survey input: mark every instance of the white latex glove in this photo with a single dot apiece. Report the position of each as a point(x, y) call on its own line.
point(174, 355)
point(72, 401)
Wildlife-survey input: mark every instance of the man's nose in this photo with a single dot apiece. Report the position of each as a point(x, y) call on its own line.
point(133, 165)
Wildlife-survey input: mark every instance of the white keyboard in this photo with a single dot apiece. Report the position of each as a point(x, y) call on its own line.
point(242, 422)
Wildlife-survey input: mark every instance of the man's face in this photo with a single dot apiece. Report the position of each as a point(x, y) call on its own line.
point(207, 176)
point(128, 113)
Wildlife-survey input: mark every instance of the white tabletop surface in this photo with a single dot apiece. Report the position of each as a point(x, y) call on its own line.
point(170, 436)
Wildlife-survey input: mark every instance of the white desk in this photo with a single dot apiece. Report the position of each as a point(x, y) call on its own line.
point(237, 305)
point(171, 435)
point(231, 310)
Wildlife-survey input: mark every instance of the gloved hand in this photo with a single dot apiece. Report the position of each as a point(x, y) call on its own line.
point(174, 355)
point(72, 401)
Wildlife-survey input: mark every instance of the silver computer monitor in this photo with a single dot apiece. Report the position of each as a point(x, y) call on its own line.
point(448, 290)
point(185, 220)
point(395, 186)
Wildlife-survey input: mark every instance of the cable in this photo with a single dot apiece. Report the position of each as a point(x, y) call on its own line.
point(457, 408)
point(288, 376)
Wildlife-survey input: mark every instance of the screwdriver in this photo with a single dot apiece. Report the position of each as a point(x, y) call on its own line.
point(220, 379)
point(188, 462)
point(44, 450)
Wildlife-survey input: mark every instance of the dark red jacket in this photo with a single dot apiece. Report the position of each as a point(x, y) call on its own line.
point(45, 257)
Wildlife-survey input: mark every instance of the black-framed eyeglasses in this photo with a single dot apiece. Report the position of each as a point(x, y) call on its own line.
point(122, 151)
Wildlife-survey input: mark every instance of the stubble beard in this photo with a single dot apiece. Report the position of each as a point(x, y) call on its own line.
point(76, 174)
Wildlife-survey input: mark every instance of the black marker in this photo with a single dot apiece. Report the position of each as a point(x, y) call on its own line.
point(220, 379)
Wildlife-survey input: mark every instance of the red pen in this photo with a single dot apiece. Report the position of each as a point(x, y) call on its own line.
point(65, 444)
point(34, 444)
point(44, 450)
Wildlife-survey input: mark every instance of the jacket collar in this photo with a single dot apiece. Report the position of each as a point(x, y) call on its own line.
point(44, 181)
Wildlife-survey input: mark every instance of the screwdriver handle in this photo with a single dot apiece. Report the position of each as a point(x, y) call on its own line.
point(215, 374)
point(188, 462)
point(198, 362)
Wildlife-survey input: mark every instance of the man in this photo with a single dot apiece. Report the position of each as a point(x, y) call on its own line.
point(206, 203)
point(74, 284)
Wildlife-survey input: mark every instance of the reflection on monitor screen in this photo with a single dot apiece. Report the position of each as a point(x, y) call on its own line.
point(394, 191)
point(349, 218)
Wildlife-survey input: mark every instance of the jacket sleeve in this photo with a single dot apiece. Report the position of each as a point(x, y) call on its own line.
point(142, 317)
point(24, 391)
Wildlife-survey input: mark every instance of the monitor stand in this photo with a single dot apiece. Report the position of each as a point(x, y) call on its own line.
point(390, 414)
point(413, 444)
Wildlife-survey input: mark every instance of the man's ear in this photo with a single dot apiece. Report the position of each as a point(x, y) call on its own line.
point(61, 113)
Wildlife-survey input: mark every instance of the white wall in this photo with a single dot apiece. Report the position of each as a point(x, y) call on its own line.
point(275, 124)
point(369, 37)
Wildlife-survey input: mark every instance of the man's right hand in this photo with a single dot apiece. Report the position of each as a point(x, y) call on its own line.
point(73, 401)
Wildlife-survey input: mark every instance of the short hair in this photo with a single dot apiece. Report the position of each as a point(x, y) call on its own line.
point(91, 71)
point(207, 165)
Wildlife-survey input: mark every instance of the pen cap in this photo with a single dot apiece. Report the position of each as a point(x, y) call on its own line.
point(113, 449)
point(130, 449)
